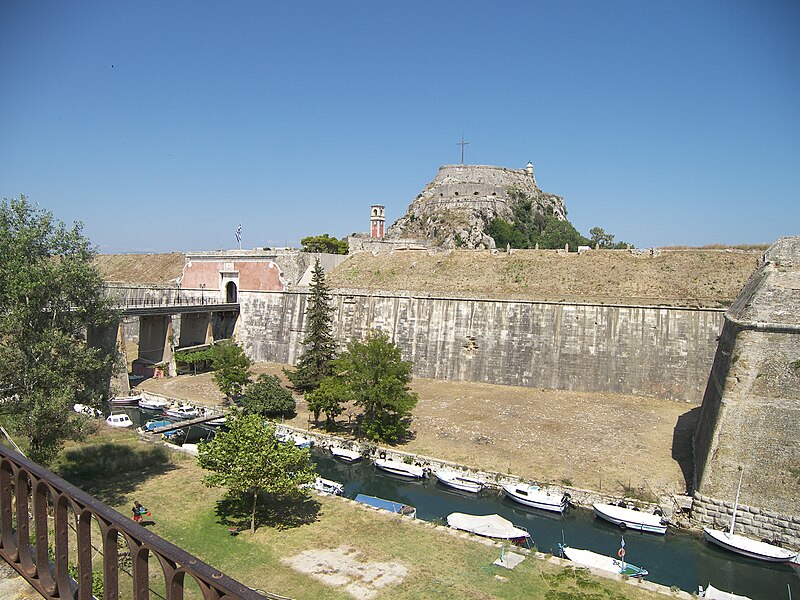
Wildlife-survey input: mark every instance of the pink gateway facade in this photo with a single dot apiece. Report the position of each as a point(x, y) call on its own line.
point(228, 272)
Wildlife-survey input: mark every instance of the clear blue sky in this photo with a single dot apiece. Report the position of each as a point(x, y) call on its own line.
point(163, 125)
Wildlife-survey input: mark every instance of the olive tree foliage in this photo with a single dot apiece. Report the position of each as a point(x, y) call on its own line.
point(231, 367)
point(324, 244)
point(268, 398)
point(601, 239)
point(374, 375)
point(328, 398)
point(319, 346)
point(52, 302)
point(249, 460)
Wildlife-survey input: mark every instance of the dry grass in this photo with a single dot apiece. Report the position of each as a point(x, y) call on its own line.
point(142, 269)
point(709, 278)
point(612, 442)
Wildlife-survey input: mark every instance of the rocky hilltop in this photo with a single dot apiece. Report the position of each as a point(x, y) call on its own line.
point(455, 209)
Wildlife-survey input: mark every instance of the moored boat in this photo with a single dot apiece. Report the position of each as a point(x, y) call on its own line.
point(492, 526)
point(125, 400)
point(713, 593)
point(744, 545)
point(400, 468)
point(391, 506)
point(457, 481)
point(119, 420)
point(152, 424)
point(345, 455)
point(327, 486)
point(153, 404)
point(533, 495)
point(610, 564)
point(87, 410)
point(182, 412)
point(628, 518)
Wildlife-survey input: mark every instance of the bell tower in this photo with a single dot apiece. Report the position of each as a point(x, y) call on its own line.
point(376, 221)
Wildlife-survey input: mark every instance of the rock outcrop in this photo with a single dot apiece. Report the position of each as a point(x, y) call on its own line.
point(455, 209)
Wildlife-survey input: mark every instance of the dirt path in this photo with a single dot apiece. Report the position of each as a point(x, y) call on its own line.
point(608, 442)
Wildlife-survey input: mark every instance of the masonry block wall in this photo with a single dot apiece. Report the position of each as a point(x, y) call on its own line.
point(663, 352)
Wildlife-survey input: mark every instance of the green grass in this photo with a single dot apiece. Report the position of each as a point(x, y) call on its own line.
point(439, 565)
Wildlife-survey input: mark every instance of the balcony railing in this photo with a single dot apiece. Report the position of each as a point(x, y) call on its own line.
point(30, 496)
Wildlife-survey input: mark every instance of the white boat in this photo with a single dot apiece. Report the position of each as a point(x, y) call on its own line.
point(456, 480)
point(125, 400)
point(182, 412)
point(714, 594)
point(119, 420)
point(628, 518)
point(87, 410)
point(744, 545)
point(492, 526)
point(327, 486)
point(391, 506)
point(594, 560)
point(345, 455)
point(533, 495)
point(153, 404)
point(400, 468)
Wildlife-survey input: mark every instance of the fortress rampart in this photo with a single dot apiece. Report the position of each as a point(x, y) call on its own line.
point(642, 350)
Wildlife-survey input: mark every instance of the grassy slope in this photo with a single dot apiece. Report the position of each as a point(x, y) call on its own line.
point(439, 565)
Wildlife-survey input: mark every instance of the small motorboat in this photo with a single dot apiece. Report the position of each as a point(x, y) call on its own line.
point(492, 526)
point(628, 518)
point(186, 411)
point(594, 560)
point(327, 486)
point(153, 424)
point(395, 507)
point(345, 455)
point(153, 404)
point(84, 409)
point(125, 400)
point(119, 420)
point(533, 495)
point(456, 480)
point(400, 468)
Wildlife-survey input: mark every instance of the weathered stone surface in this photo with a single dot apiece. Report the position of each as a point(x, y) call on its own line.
point(650, 351)
point(750, 418)
point(455, 209)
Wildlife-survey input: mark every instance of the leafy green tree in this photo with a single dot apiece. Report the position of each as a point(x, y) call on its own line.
point(558, 233)
point(376, 378)
point(328, 398)
point(249, 460)
point(268, 398)
point(319, 347)
point(324, 244)
point(52, 311)
point(231, 367)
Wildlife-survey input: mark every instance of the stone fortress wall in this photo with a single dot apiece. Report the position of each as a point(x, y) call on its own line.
point(750, 418)
point(643, 350)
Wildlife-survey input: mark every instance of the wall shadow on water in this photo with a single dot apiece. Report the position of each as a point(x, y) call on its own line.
point(682, 452)
point(110, 472)
point(279, 512)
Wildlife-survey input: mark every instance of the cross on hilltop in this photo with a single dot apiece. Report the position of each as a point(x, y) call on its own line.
point(462, 143)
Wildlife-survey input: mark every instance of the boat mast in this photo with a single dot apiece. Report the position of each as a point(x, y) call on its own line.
point(736, 503)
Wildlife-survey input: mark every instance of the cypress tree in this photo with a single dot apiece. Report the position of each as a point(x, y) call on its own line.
point(319, 347)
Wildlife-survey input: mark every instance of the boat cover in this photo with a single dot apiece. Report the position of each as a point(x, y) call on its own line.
point(493, 526)
point(715, 594)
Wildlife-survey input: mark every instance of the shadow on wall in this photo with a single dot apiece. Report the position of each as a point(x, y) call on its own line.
point(682, 436)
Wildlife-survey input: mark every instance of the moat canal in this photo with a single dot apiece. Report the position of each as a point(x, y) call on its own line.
point(676, 559)
point(680, 559)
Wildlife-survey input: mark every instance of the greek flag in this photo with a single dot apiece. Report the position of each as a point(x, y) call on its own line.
point(239, 233)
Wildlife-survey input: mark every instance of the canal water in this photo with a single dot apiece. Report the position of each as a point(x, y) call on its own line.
point(677, 559)
point(681, 559)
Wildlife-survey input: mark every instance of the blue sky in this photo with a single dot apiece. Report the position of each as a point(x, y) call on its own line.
point(163, 125)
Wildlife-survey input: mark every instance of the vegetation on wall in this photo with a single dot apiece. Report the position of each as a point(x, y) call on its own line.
point(324, 244)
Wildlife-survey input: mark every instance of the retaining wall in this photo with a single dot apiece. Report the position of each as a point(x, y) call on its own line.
point(665, 352)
